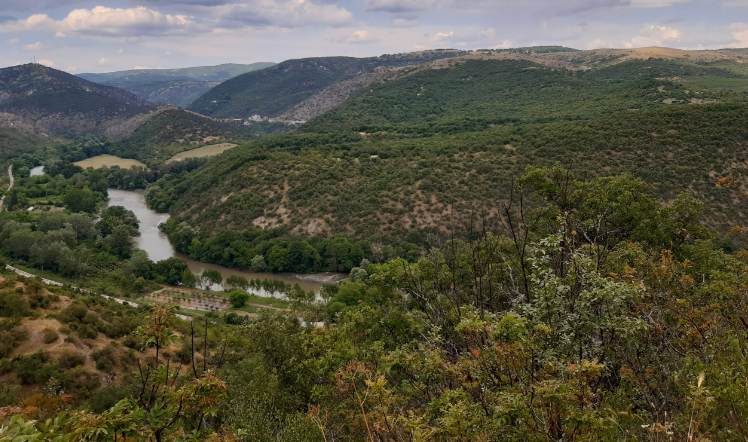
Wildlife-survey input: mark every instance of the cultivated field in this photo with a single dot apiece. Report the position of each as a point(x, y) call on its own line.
point(100, 161)
point(205, 151)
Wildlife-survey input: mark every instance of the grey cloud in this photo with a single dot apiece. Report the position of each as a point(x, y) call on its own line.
point(18, 5)
point(281, 13)
point(412, 8)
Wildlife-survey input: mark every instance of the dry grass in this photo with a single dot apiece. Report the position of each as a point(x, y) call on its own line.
point(100, 161)
point(201, 152)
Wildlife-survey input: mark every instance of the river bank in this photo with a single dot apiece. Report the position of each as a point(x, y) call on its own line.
point(158, 247)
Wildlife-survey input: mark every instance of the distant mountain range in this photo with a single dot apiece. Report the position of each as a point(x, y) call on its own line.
point(179, 87)
point(219, 73)
point(39, 105)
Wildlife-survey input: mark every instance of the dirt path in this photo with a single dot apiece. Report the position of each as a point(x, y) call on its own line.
point(12, 181)
point(59, 284)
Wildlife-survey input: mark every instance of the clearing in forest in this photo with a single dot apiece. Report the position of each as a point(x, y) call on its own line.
point(205, 151)
point(100, 161)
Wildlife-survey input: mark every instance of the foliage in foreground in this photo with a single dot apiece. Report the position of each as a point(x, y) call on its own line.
point(600, 315)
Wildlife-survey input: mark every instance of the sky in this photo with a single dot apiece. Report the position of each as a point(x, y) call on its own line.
point(80, 36)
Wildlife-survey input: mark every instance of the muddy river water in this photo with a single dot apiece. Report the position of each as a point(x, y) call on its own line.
point(158, 247)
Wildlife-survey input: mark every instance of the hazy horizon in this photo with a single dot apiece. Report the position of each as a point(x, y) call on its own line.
point(104, 36)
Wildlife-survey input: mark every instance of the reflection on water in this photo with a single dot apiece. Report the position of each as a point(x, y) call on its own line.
point(37, 171)
point(158, 247)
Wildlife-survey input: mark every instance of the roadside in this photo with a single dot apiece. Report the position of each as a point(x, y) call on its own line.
point(12, 181)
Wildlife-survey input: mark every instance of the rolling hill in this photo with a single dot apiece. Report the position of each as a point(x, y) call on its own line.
point(217, 73)
point(178, 92)
point(273, 91)
point(436, 146)
point(65, 104)
point(179, 87)
point(171, 130)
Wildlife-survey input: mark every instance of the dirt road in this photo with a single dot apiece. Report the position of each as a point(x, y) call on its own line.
point(12, 181)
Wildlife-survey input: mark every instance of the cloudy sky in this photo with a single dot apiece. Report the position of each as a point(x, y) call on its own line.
point(108, 35)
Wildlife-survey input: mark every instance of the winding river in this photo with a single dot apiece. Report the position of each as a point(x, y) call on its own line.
point(158, 247)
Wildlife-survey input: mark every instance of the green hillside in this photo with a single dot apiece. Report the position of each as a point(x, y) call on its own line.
point(63, 103)
point(272, 91)
point(175, 130)
point(480, 93)
point(392, 187)
point(219, 73)
point(179, 92)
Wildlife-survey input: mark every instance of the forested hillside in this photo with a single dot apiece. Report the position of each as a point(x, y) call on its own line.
point(174, 130)
point(273, 91)
point(478, 93)
point(64, 104)
point(219, 73)
point(605, 316)
point(179, 92)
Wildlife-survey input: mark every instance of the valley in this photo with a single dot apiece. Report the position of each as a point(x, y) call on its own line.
point(534, 243)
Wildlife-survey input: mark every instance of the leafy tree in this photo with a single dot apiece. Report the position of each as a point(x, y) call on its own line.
point(258, 263)
point(81, 200)
point(238, 298)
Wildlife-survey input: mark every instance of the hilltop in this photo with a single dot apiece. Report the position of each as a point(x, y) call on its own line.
point(65, 104)
point(179, 87)
point(434, 147)
point(178, 92)
point(221, 72)
point(273, 91)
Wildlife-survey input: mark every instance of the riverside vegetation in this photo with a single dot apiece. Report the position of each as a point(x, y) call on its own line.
point(600, 315)
point(534, 254)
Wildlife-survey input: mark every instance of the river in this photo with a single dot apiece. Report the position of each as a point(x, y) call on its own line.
point(158, 247)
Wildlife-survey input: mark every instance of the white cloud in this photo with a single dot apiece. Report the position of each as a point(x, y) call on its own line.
point(740, 34)
point(47, 63)
point(121, 51)
point(652, 35)
point(71, 69)
point(59, 34)
point(105, 62)
point(13, 41)
point(442, 36)
point(104, 21)
point(34, 46)
point(360, 36)
point(506, 44)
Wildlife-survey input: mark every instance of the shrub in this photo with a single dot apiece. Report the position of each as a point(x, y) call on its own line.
point(238, 298)
point(70, 360)
point(50, 336)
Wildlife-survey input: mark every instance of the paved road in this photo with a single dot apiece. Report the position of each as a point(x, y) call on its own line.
point(12, 181)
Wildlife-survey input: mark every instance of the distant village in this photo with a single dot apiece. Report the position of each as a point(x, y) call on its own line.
point(259, 118)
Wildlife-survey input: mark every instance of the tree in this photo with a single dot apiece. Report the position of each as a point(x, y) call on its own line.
point(237, 281)
point(211, 277)
point(120, 241)
point(189, 279)
point(238, 298)
point(258, 264)
point(81, 200)
point(115, 216)
point(169, 271)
